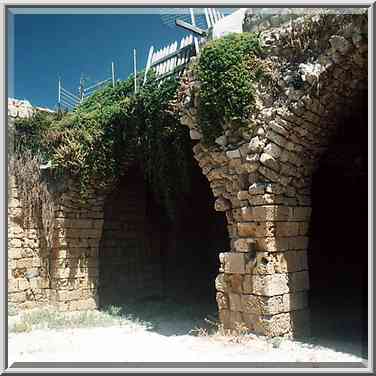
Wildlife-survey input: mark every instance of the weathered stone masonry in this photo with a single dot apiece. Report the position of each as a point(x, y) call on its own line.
point(66, 274)
point(261, 179)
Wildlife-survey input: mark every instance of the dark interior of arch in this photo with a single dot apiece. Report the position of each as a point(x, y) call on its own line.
point(157, 268)
point(338, 249)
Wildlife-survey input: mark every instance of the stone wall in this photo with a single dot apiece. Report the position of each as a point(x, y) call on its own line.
point(74, 254)
point(262, 178)
point(64, 274)
point(28, 282)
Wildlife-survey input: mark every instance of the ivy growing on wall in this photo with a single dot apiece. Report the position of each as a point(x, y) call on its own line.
point(227, 70)
point(95, 142)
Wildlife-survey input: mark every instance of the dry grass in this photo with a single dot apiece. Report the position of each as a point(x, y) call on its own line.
point(50, 318)
point(215, 330)
point(36, 200)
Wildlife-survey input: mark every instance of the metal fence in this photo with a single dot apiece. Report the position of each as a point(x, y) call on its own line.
point(69, 101)
point(171, 60)
point(166, 62)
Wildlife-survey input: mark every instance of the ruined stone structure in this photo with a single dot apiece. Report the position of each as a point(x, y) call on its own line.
point(261, 179)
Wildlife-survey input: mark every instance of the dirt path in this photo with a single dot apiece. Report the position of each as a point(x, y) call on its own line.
point(133, 343)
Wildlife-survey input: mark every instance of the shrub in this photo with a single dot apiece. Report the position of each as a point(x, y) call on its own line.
point(227, 82)
point(93, 143)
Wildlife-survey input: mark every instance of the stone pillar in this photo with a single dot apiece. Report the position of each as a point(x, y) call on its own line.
point(264, 279)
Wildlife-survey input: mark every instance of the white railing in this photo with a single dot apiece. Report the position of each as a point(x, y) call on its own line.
point(168, 61)
point(171, 60)
point(69, 101)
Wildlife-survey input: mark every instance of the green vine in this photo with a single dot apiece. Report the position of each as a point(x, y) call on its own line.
point(227, 70)
point(94, 142)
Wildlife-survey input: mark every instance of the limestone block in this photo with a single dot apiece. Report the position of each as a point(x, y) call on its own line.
point(216, 174)
point(266, 213)
point(273, 244)
point(243, 195)
point(221, 283)
point(195, 135)
point(14, 253)
point(256, 144)
point(244, 245)
point(17, 297)
point(250, 165)
point(261, 305)
point(269, 174)
point(15, 243)
point(250, 320)
point(287, 229)
point(269, 285)
point(269, 161)
point(279, 128)
point(232, 154)
point(219, 157)
point(222, 301)
point(273, 326)
point(256, 229)
point(233, 262)
point(273, 149)
point(224, 318)
point(12, 285)
point(23, 284)
point(276, 138)
point(294, 301)
point(24, 263)
point(236, 320)
point(235, 302)
point(234, 282)
point(257, 188)
point(14, 203)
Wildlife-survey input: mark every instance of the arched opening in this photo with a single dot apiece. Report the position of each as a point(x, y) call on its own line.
point(159, 269)
point(338, 248)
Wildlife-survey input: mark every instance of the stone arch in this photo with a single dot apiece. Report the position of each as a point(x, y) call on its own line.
point(262, 182)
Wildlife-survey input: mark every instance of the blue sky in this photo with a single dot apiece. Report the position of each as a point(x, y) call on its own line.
point(44, 46)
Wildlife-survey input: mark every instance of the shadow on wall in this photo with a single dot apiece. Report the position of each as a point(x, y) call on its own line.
point(338, 249)
point(145, 256)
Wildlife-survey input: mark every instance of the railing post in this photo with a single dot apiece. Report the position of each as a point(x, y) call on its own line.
point(81, 90)
point(59, 96)
point(135, 70)
point(194, 24)
point(113, 74)
point(148, 63)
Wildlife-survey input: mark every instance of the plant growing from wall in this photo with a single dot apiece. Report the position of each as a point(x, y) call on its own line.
point(227, 91)
point(94, 143)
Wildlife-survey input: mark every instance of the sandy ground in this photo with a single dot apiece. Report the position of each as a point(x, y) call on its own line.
point(133, 343)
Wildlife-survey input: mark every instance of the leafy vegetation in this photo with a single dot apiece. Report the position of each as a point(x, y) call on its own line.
point(95, 142)
point(227, 70)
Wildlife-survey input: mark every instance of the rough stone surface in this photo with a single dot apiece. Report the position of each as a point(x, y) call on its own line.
point(260, 177)
point(262, 182)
